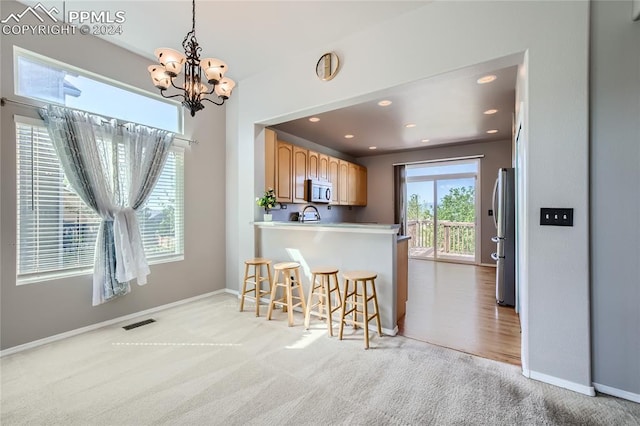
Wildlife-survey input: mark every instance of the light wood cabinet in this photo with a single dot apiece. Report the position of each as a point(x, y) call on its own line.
point(334, 178)
point(284, 172)
point(323, 168)
point(343, 182)
point(313, 165)
point(361, 186)
point(352, 184)
point(287, 168)
point(299, 174)
point(270, 148)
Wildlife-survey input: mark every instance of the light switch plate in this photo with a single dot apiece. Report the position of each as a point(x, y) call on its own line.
point(556, 216)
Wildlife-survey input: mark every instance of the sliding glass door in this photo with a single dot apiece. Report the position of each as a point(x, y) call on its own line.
point(442, 210)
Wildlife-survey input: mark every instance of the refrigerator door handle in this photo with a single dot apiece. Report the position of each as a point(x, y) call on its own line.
point(494, 204)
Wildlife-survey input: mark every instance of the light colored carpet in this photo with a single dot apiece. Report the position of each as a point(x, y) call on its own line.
point(206, 364)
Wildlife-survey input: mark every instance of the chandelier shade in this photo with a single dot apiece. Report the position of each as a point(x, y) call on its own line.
point(193, 91)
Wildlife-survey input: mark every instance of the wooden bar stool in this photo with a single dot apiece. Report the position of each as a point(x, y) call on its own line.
point(323, 290)
point(290, 280)
point(357, 302)
point(256, 280)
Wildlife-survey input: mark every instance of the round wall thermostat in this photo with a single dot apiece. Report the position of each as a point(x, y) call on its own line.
point(327, 66)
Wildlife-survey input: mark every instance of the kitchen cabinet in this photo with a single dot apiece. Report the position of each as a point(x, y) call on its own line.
point(334, 178)
point(299, 174)
point(288, 167)
point(361, 186)
point(284, 172)
point(343, 182)
point(313, 165)
point(323, 167)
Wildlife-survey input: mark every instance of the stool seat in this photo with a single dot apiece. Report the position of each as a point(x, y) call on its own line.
point(324, 270)
point(286, 265)
point(257, 261)
point(359, 275)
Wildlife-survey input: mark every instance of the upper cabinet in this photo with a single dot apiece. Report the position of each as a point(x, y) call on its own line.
point(313, 165)
point(287, 168)
point(300, 174)
point(334, 176)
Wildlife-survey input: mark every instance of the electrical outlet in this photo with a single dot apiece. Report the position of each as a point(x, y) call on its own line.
point(283, 206)
point(556, 217)
point(329, 207)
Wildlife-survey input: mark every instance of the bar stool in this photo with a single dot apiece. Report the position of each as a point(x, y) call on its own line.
point(354, 302)
point(256, 280)
point(323, 291)
point(290, 272)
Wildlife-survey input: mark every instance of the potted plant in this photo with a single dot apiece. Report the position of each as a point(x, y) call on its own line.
point(268, 201)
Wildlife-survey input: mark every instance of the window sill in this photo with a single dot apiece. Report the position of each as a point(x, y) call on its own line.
point(51, 276)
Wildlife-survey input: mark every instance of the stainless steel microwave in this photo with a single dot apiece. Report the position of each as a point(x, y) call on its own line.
point(318, 192)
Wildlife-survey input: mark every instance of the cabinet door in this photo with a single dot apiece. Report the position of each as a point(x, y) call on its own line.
point(270, 148)
point(361, 186)
point(343, 182)
point(284, 168)
point(323, 169)
point(313, 165)
point(299, 174)
point(352, 183)
point(334, 178)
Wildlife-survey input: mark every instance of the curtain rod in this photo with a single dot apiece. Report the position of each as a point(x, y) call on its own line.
point(440, 160)
point(4, 100)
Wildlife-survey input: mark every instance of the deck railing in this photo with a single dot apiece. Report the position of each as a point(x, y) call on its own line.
point(452, 237)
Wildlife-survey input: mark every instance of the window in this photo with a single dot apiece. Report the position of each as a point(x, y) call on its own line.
point(56, 231)
point(47, 80)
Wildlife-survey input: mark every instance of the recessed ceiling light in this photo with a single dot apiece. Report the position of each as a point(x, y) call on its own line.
point(314, 119)
point(487, 79)
point(348, 136)
point(373, 147)
point(491, 111)
point(492, 131)
point(425, 140)
point(386, 102)
point(410, 125)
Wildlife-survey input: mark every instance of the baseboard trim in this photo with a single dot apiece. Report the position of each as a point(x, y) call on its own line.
point(576, 387)
point(490, 265)
point(77, 331)
point(635, 397)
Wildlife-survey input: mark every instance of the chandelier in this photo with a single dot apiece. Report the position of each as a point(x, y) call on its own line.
point(194, 91)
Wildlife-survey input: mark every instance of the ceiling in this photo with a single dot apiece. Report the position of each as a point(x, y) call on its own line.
point(447, 109)
point(254, 35)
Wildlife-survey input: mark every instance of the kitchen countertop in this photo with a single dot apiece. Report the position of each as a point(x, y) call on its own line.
point(340, 226)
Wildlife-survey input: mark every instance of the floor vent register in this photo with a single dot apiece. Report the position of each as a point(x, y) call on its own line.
point(138, 324)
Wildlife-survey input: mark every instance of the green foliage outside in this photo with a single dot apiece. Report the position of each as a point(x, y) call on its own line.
point(457, 206)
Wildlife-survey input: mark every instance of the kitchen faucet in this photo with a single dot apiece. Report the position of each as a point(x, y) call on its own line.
point(305, 209)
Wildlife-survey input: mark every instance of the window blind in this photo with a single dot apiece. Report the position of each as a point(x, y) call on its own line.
point(56, 231)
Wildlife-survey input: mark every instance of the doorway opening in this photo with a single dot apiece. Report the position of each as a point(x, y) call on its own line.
point(441, 210)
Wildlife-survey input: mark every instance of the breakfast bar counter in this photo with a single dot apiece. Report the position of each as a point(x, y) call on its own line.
point(346, 246)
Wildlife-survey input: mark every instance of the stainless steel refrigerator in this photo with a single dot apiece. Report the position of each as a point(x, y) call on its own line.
point(505, 220)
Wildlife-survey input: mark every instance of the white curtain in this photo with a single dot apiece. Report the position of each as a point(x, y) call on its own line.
point(113, 168)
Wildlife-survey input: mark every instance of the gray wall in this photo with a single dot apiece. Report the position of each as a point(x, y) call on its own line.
point(615, 200)
point(34, 311)
point(380, 182)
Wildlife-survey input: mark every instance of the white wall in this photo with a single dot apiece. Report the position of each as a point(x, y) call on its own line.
point(441, 37)
point(615, 179)
point(34, 311)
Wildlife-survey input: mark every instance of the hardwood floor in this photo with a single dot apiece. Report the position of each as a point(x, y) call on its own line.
point(453, 305)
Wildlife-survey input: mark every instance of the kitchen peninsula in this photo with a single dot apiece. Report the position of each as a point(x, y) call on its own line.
point(347, 246)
